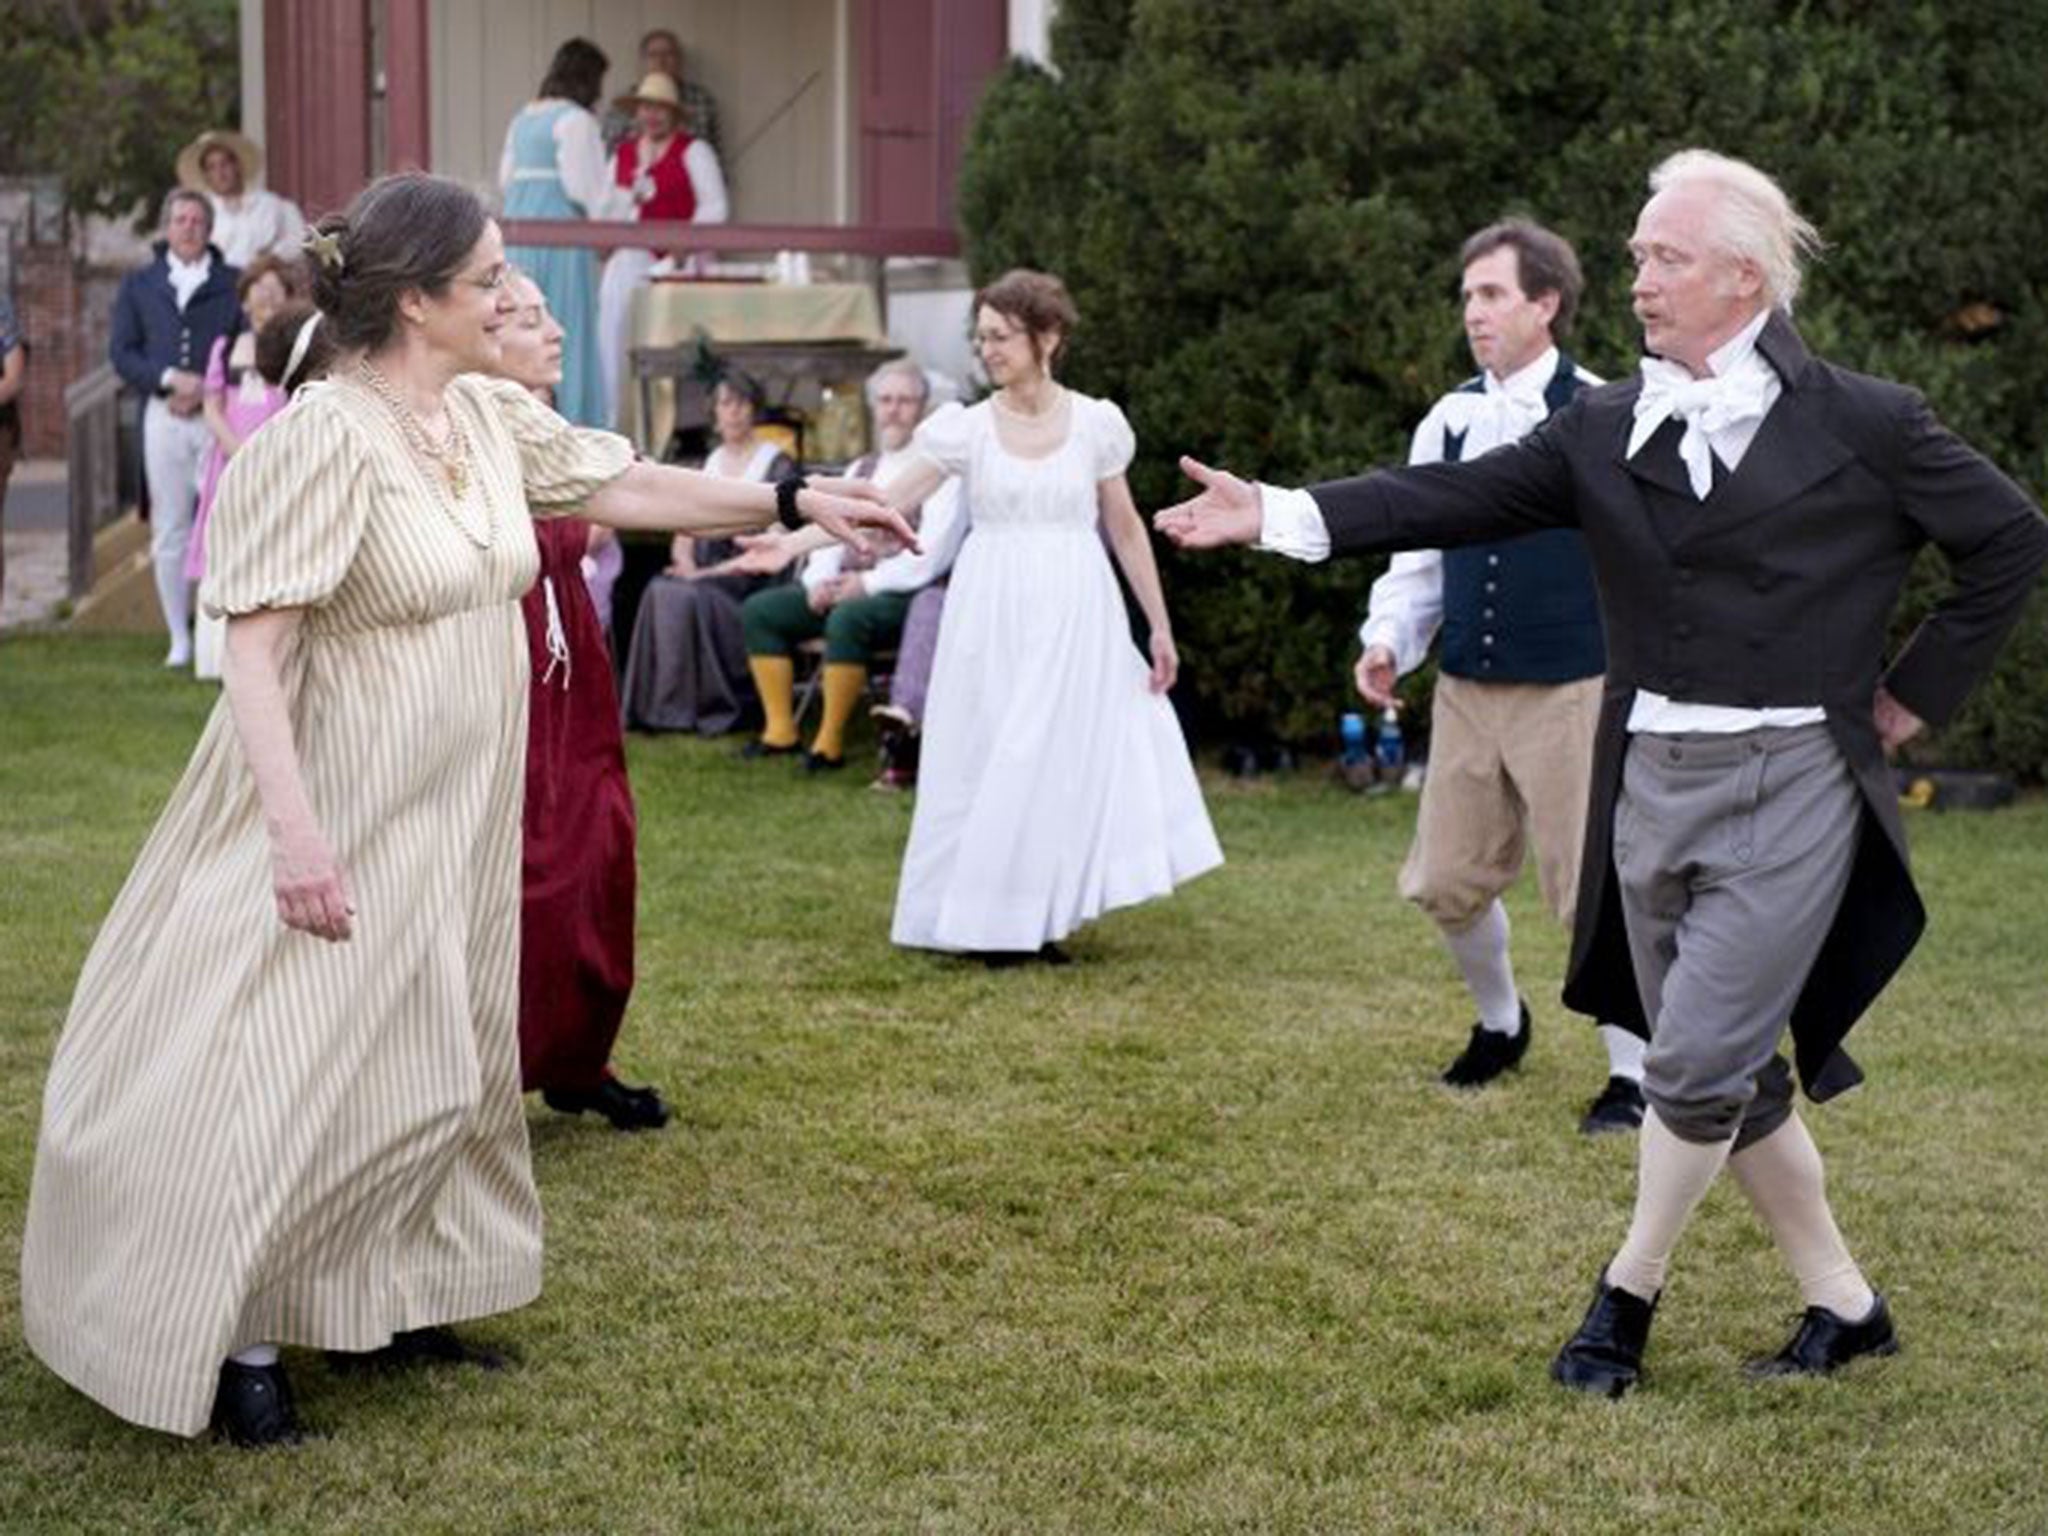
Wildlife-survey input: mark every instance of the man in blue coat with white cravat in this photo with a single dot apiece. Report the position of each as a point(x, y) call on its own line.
point(167, 316)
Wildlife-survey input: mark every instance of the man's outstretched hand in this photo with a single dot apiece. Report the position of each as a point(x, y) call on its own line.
point(1226, 511)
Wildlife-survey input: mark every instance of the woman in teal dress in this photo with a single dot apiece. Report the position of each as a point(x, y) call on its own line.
point(554, 167)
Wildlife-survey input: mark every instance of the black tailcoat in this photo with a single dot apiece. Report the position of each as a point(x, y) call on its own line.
point(1775, 590)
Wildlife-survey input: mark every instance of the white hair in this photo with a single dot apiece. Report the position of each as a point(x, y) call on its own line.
point(1753, 219)
point(906, 367)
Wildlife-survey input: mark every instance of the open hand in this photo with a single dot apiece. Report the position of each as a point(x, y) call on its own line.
point(761, 554)
point(843, 508)
point(1375, 676)
point(311, 887)
point(1225, 512)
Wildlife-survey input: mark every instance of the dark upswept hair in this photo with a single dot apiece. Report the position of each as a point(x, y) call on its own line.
point(274, 343)
point(745, 385)
point(1544, 261)
point(1038, 301)
point(403, 232)
point(576, 73)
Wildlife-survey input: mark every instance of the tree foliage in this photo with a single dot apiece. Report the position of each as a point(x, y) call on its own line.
point(104, 94)
point(1258, 209)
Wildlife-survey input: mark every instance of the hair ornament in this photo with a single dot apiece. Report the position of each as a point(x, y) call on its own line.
point(325, 248)
point(301, 344)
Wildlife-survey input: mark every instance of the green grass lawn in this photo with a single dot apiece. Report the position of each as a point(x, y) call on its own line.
point(1185, 1237)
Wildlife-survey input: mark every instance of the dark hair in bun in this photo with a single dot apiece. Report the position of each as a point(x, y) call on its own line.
point(279, 338)
point(404, 232)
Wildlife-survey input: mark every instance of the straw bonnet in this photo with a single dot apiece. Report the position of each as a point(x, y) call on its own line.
point(656, 90)
point(242, 147)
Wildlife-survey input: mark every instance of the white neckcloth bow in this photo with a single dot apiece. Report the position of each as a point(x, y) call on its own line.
point(1706, 406)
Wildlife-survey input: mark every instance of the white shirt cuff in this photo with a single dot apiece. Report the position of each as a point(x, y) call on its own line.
point(1291, 524)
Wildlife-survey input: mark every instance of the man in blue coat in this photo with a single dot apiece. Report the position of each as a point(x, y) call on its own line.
point(1752, 512)
point(167, 317)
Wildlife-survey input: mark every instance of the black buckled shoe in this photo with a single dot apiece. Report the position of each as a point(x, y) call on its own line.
point(1605, 1357)
point(628, 1108)
point(417, 1347)
point(1824, 1342)
point(1618, 1108)
point(253, 1408)
point(1488, 1054)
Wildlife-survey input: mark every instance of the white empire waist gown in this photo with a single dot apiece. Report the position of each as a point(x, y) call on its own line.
point(1054, 784)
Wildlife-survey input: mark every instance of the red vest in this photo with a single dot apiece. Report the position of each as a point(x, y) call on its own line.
point(674, 196)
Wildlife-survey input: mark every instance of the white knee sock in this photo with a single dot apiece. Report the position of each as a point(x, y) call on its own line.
point(1624, 1052)
point(1481, 951)
point(1783, 1177)
point(256, 1356)
point(1671, 1176)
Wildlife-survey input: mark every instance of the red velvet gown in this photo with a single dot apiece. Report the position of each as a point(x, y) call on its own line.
point(576, 920)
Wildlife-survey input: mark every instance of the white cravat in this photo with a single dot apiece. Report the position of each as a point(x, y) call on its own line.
point(1720, 410)
point(187, 276)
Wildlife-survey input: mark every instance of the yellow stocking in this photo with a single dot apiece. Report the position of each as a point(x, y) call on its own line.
point(845, 682)
point(775, 681)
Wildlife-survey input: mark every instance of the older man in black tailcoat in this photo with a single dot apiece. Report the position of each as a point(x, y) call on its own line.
point(1751, 512)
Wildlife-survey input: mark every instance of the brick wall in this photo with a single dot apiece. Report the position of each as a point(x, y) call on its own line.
point(47, 290)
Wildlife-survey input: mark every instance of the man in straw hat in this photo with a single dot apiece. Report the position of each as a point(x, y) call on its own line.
point(248, 220)
point(672, 176)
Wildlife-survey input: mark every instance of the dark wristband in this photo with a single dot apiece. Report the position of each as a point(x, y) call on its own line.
point(786, 490)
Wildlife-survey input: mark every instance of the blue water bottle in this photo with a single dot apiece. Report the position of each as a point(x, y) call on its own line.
point(1352, 729)
point(1390, 751)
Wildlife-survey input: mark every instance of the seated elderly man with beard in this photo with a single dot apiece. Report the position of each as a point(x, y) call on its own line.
point(855, 600)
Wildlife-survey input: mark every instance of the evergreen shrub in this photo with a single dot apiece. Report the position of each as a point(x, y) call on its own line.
point(1259, 208)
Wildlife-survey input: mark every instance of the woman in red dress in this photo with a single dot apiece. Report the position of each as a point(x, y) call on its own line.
point(576, 920)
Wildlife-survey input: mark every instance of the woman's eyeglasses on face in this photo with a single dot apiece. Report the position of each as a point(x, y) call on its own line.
point(491, 282)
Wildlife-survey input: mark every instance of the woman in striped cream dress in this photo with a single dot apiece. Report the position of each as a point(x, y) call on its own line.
point(285, 1106)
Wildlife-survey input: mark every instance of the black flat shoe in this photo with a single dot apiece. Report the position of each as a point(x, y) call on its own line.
point(1052, 954)
point(628, 1109)
point(1605, 1357)
point(416, 1348)
point(757, 749)
point(253, 1407)
point(1488, 1054)
point(1618, 1108)
point(1824, 1342)
point(818, 762)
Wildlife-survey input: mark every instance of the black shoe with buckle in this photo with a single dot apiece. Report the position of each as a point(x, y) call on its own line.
point(253, 1408)
point(1825, 1342)
point(1605, 1357)
point(1488, 1054)
point(1618, 1108)
point(628, 1108)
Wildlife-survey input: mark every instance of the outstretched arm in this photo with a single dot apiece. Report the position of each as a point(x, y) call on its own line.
point(665, 498)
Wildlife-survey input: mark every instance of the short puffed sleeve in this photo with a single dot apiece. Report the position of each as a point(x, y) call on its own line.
point(1111, 438)
point(289, 513)
point(943, 436)
point(563, 465)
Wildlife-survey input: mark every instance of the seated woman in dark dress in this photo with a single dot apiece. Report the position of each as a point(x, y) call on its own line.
point(686, 669)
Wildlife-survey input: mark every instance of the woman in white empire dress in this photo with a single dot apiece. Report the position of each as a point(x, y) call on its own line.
point(1055, 785)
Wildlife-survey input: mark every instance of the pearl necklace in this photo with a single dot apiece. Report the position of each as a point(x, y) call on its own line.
point(451, 457)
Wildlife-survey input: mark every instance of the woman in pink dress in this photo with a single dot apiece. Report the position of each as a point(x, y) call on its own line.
point(238, 401)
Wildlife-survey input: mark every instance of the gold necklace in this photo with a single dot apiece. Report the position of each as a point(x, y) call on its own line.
point(450, 457)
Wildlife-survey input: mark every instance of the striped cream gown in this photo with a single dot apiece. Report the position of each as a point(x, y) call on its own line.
point(248, 1133)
